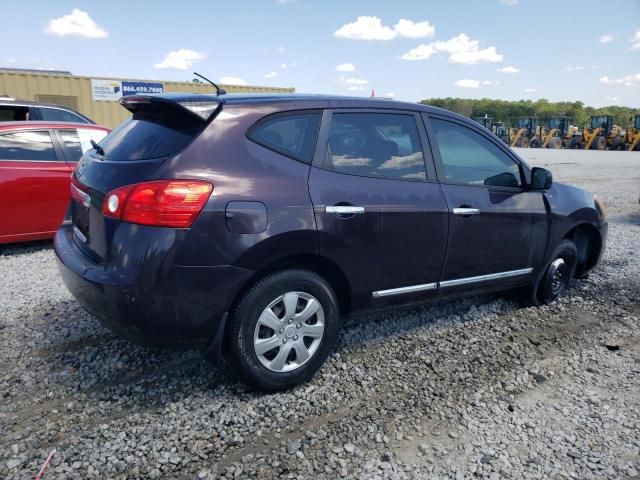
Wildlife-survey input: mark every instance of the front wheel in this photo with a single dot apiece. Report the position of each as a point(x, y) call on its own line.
point(556, 276)
point(282, 330)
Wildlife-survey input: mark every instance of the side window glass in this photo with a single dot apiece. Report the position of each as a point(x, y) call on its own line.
point(27, 145)
point(57, 115)
point(293, 135)
point(375, 145)
point(469, 158)
point(72, 143)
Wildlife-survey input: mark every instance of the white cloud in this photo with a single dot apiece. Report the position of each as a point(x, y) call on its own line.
point(233, 81)
point(356, 81)
point(508, 70)
point(461, 49)
point(606, 38)
point(613, 99)
point(366, 28)
point(270, 75)
point(577, 68)
point(283, 66)
point(77, 24)
point(466, 83)
point(180, 59)
point(281, 49)
point(421, 52)
point(628, 80)
point(488, 55)
point(410, 29)
point(509, 3)
point(355, 88)
point(282, 2)
point(635, 41)
point(529, 90)
point(491, 82)
point(346, 67)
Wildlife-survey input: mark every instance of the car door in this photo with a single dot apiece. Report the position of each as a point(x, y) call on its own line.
point(380, 215)
point(497, 226)
point(34, 185)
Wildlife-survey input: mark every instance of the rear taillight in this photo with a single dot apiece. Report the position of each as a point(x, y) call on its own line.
point(161, 203)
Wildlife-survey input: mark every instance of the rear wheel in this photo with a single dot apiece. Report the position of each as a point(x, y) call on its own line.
point(534, 143)
point(282, 330)
point(523, 142)
point(556, 276)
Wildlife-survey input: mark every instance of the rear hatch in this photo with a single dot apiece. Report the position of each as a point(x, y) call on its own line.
point(160, 127)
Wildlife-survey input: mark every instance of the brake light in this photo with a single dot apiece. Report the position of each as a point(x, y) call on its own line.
point(160, 203)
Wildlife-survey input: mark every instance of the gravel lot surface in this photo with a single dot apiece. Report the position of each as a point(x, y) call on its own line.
point(473, 388)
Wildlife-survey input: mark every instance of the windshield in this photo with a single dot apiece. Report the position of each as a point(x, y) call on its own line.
point(555, 122)
point(599, 121)
point(637, 122)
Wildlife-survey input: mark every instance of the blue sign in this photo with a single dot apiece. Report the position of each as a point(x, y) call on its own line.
point(134, 88)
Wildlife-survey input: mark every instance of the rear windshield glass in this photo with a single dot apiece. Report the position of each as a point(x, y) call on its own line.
point(153, 132)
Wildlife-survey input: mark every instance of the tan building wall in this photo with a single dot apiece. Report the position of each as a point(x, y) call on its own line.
point(76, 92)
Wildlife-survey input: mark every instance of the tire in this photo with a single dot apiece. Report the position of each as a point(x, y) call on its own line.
point(599, 143)
point(556, 276)
point(271, 302)
point(555, 142)
point(534, 143)
point(523, 142)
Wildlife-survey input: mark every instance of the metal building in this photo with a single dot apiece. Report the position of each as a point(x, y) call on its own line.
point(97, 97)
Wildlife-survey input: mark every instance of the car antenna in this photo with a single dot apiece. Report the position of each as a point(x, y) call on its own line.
point(219, 91)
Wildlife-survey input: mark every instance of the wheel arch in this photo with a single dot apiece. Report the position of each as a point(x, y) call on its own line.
point(317, 263)
point(589, 244)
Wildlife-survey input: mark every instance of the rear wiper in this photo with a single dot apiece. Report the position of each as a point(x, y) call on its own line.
point(99, 150)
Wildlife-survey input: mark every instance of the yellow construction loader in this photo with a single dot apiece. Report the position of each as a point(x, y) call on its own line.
point(525, 133)
point(632, 137)
point(602, 134)
point(558, 132)
point(484, 121)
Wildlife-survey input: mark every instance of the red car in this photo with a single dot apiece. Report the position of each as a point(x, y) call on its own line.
point(36, 161)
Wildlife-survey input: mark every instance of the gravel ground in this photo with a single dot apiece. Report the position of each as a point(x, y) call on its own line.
point(473, 388)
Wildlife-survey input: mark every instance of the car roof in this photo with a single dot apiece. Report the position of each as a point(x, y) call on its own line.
point(326, 101)
point(35, 124)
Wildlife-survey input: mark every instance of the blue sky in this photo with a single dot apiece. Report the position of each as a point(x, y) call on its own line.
point(508, 49)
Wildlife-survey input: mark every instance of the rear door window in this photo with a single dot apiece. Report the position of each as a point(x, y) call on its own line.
point(78, 141)
point(375, 145)
point(27, 145)
point(291, 134)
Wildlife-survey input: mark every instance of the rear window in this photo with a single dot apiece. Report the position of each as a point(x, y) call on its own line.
point(291, 134)
point(153, 132)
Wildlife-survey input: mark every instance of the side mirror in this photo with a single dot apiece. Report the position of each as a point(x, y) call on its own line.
point(541, 179)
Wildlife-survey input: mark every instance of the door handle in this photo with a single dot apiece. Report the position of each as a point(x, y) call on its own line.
point(343, 209)
point(465, 211)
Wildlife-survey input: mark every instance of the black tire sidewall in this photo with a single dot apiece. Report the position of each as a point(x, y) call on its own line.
point(239, 349)
point(540, 294)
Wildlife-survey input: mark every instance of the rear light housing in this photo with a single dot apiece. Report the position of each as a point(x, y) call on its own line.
point(159, 203)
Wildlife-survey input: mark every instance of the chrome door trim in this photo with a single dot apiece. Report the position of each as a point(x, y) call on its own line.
point(484, 278)
point(451, 283)
point(343, 209)
point(466, 211)
point(401, 290)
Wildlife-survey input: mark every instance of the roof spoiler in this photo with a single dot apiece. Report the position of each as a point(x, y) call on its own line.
point(202, 107)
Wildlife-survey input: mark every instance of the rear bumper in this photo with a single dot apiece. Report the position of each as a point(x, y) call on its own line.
point(154, 302)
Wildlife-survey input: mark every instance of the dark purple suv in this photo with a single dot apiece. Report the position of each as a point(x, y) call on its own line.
point(248, 225)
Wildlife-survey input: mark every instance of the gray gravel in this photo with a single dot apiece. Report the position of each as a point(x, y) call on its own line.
point(476, 387)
